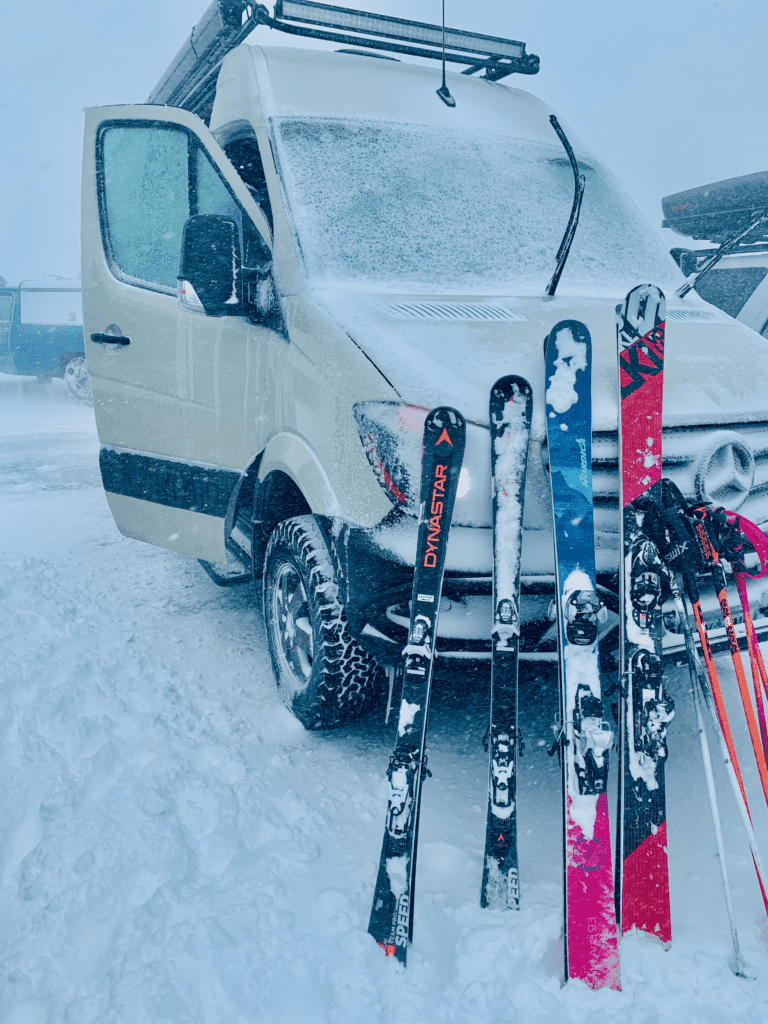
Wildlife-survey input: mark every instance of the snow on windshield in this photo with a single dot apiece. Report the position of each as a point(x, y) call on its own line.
point(412, 206)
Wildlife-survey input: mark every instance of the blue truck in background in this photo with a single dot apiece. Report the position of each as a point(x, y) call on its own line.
point(41, 334)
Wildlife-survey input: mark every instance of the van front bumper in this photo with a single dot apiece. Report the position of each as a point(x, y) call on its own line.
point(375, 569)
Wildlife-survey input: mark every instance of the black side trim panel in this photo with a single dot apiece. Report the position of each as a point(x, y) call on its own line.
point(168, 482)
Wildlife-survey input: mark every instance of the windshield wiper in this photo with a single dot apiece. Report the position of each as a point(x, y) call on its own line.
point(727, 246)
point(580, 182)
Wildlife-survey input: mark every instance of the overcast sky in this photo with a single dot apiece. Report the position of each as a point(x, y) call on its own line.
point(669, 93)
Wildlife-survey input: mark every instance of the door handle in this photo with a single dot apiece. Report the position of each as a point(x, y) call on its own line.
point(110, 339)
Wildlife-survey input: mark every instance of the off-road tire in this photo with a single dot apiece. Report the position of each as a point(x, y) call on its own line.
point(324, 677)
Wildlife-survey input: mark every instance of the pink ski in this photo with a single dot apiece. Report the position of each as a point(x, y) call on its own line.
point(593, 952)
point(642, 876)
point(583, 737)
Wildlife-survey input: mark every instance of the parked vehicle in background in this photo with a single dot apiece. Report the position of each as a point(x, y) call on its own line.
point(738, 283)
point(290, 255)
point(41, 334)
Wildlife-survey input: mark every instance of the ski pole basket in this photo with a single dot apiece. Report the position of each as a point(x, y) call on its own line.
point(190, 79)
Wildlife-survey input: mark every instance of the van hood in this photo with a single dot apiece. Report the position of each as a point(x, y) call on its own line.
point(449, 350)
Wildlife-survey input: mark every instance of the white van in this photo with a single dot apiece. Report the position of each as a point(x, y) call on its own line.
point(281, 280)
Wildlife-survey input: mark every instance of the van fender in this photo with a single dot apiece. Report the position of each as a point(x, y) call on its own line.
point(290, 454)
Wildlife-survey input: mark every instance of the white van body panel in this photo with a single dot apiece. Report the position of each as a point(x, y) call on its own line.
point(189, 533)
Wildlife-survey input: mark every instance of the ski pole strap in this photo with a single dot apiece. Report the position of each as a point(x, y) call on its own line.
point(674, 527)
point(728, 538)
point(756, 538)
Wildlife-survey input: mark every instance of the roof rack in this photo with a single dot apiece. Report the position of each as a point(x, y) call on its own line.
point(190, 79)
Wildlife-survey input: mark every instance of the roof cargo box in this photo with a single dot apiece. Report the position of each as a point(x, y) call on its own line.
point(713, 212)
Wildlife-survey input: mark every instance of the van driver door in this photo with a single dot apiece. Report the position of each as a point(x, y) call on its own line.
point(177, 393)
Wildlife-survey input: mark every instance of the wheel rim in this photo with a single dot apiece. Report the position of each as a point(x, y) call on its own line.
point(78, 381)
point(292, 626)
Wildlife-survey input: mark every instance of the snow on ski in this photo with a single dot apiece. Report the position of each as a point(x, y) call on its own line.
point(510, 415)
point(642, 876)
point(391, 922)
point(591, 950)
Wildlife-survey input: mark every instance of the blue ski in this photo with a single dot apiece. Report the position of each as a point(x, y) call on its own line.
point(583, 737)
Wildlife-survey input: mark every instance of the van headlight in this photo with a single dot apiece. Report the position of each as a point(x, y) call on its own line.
point(392, 432)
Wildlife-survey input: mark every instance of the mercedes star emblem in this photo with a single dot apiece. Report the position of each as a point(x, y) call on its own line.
point(725, 471)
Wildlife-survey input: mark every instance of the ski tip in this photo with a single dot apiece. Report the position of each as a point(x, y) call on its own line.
point(507, 388)
point(579, 334)
point(444, 428)
point(643, 310)
point(444, 417)
point(645, 289)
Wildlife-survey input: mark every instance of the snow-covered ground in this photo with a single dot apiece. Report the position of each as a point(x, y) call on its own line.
point(176, 848)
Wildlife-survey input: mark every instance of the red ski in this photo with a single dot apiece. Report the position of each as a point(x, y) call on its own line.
point(642, 879)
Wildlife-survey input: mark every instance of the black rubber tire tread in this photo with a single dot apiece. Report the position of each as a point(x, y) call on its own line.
point(344, 678)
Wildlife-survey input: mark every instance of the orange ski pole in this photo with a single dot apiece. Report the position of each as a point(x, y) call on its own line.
point(756, 662)
point(734, 529)
point(718, 578)
point(701, 683)
point(725, 733)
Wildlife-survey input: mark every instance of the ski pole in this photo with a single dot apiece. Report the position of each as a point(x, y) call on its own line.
point(756, 662)
point(709, 685)
point(693, 668)
point(706, 758)
point(737, 529)
point(712, 556)
point(723, 735)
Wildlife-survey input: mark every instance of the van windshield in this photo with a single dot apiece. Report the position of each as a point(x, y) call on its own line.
point(410, 206)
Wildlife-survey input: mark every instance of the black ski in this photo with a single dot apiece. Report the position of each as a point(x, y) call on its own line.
point(510, 415)
point(391, 922)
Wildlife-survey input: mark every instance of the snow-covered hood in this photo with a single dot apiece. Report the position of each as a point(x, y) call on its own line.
point(449, 350)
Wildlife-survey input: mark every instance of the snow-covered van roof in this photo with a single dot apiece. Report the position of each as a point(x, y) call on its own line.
point(258, 82)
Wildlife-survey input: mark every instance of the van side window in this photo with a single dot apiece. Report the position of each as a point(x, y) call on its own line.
point(145, 201)
point(211, 194)
point(6, 306)
point(245, 158)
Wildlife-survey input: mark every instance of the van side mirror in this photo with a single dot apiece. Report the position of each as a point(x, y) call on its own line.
point(210, 274)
